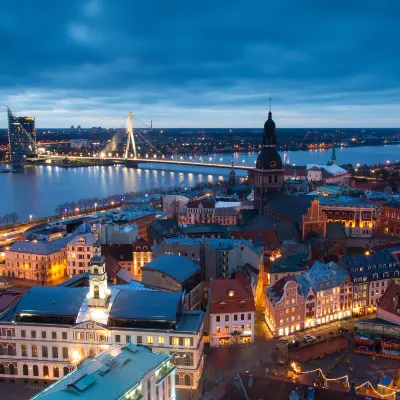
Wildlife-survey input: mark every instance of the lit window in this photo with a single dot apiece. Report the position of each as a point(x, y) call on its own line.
point(175, 341)
point(161, 340)
point(149, 339)
point(187, 342)
point(90, 336)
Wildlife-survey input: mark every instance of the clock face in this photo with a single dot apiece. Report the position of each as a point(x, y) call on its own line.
point(272, 164)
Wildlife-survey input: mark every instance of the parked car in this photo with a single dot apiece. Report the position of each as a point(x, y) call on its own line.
point(309, 339)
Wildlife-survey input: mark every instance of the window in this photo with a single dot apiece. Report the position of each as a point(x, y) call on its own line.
point(249, 316)
point(187, 342)
point(25, 370)
point(218, 329)
point(64, 335)
point(175, 341)
point(226, 318)
point(56, 372)
point(65, 352)
point(45, 352)
point(139, 340)
point(23, 333)
point(218, 318)
point(118, 338)
point(54, 352)
point(43, 334)
point(177, 378)
point(80, 336)
point(34, 351)
point(187, 380)
point(33, 334)
point(249, 327)
point(149, 339)
point(45, 371)
point(161, 340)
point(54, 335)
point(242, 317)
point(2, 371)
point(24, 350)
point(242, 328)
point(128, 339)
point(66, 371)
point(102, 338)
point(35, 370)
point(10, 350)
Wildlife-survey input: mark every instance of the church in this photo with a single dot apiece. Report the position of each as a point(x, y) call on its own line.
point(269, 171)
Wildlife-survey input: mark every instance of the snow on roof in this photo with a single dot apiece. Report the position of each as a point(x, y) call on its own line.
point(331, 169)
point(223, 204)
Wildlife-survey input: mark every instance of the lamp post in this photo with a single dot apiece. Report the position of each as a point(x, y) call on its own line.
point(30, 219)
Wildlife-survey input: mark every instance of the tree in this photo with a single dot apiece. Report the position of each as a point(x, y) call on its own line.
point(14, 218)
point(44, 271)
point(60, 209)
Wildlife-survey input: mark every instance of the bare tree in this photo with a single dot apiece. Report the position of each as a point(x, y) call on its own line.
point(14, 218)
point(44, 271)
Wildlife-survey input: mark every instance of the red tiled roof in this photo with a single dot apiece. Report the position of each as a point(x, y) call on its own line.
point(242, 300)
point(390, 301)
point(206, 203)
point(277, 288)
point(7, 300)
point(299, 171)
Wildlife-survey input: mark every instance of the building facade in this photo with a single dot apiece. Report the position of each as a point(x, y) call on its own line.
point(141, 256)
point(390, 218)
point(21, 137)
point(51, 329)
point(39, 261)
point(232, 313)
point(79, 254)
point(198, 212)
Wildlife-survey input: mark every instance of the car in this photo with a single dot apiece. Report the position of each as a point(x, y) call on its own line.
point(342, 329)
point(309, 339)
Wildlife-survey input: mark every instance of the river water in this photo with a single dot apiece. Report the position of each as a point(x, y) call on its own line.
point(37, 190)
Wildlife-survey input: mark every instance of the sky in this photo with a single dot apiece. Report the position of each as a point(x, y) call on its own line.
point(201, 63)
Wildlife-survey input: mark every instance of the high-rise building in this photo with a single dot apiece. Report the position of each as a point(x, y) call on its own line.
point(21, 137)
point(269, 173)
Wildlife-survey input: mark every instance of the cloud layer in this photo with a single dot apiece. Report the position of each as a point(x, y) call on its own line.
point(202, 64)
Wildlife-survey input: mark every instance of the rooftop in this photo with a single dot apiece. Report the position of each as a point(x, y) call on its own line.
point(146, 305)
point(38, 247)
point(390, 301)
point(293, 207)
point(293, 263)
point(229, 295)
point(330, 169)
point(177, 267)
point(392, 203)
point(224, 204)
point(108, 376)
point(51, 300)
point(348, 201)
point(324, 276)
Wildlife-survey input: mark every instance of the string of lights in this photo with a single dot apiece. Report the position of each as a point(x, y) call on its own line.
point(346, 378)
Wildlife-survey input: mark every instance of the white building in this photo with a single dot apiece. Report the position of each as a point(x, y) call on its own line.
point(133, 371)
point(327, 173)
point(51, 329)
point(79, 254)
point(232, 313)
point(115, 233)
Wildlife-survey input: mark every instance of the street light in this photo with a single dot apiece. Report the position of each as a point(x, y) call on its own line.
point(95, 207)
point(30, 218)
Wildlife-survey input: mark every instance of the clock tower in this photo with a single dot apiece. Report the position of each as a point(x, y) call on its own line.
point(269, 172)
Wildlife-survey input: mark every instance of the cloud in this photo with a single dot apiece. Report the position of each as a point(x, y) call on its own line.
point(209, 64)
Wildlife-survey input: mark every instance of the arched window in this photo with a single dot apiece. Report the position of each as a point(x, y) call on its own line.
point(56, 372)
point(11, 369)
point(34, 351)
point(187, 380)
point(95, 270)
point(45, 352)
point(177, 379)
point(45, 371)
point(91, 353)
point(96, 292)
point(2, 369)
point(25, 370)
point(1, 350)
point(66, 371)
point(35, 370)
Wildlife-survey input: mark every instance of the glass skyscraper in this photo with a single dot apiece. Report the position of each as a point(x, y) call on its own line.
point(21, 137)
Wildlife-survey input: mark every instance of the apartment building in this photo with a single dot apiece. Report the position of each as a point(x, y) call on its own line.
point(390, 217)
point(232, 313)
point(79, 254)
point(35, 260)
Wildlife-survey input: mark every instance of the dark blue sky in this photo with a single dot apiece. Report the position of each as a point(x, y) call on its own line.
point(202, 63)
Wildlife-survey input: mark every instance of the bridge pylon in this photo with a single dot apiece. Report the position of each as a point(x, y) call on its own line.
point(131, 137)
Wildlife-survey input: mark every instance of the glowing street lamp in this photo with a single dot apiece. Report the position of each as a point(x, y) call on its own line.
point(30, 218)
point(95, 206)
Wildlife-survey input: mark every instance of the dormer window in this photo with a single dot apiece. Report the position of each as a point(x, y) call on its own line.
point(231, 293)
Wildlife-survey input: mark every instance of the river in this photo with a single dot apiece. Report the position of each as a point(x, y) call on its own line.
point(37, 190)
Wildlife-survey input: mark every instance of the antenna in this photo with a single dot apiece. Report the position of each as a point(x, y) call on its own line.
point(270, 100)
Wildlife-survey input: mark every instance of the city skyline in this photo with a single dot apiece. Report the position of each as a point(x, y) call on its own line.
point(185, 66)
